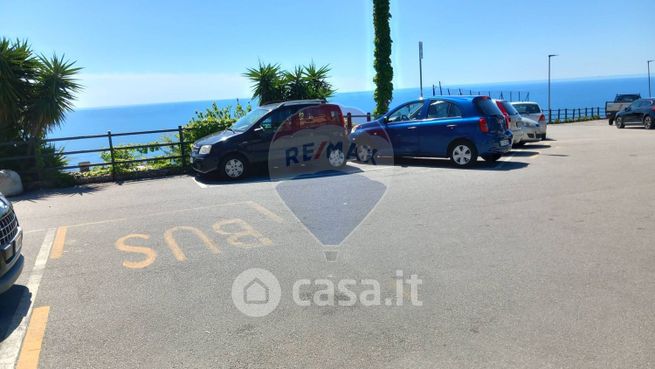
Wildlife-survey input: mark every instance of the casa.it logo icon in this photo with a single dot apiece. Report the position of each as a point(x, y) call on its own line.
point(256, 292)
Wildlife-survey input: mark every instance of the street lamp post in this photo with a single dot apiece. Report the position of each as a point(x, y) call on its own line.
point(650, 94)
point(550, 119)
point(420, 65)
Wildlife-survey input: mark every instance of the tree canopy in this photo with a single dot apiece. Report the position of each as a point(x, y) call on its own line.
point(36, 91)
point(270, 83)
point(382, 56)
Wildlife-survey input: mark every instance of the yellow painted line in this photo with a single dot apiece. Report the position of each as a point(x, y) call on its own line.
point(58, 245)
point(158, 214)
point(264, 211)
point(29, 354)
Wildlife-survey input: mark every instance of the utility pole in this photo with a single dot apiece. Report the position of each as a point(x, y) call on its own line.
point(550, 119)
point(420, 65)
point(650, 93)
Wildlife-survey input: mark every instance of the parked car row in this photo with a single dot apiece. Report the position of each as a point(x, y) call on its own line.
point(461, 128)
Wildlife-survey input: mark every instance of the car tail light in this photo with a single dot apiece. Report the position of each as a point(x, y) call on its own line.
point(653, 108)
point(484, 127)
point(542, 118)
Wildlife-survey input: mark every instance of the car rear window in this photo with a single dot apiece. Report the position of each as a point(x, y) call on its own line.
point(527, 108)
point(627, 98)
point(510, 108)
point(487, 107)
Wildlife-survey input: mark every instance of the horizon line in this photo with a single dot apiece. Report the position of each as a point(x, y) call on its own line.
point(249, 99)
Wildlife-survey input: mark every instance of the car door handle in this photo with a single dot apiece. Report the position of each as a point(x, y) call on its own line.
point(451, 126)
point(412, 127)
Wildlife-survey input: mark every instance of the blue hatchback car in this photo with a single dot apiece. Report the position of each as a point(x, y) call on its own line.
point(460, 128)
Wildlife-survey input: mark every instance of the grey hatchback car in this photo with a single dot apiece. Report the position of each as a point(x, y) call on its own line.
point(11, 242)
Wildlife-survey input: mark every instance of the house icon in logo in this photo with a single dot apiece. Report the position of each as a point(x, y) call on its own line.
point(256, 292)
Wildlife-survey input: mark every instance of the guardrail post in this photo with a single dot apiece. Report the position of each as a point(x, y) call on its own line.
point(566, 114)
point(182, 146)
point(368, 117)
point(113, 159)
point(585, 112)
point(579, 113)
point(559, 111)
point(349, 121)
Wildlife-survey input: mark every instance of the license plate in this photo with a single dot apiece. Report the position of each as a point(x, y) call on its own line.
point(18, 244)
point(504, 143)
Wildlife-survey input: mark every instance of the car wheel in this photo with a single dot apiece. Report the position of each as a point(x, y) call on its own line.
point(364, 153)
point(519, 144)
point(336, 158)
point(648, 122)
point(491, 158)
point(463, 154)
point(611, 121)
point(233, 167)
point(619, 123)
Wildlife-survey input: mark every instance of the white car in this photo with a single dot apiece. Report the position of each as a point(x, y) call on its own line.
point(533, 111)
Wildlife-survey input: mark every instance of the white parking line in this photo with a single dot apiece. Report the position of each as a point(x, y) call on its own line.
point(10, 347)
point(200, 184)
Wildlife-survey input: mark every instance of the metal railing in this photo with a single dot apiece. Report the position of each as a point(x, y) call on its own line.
point(510, 95)
point(114, 163)
point(568, 115)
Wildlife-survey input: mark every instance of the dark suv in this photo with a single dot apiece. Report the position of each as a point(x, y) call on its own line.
point(249, 141)
point(11, 241)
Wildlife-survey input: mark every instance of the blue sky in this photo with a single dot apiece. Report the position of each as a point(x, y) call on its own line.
point(136, 52)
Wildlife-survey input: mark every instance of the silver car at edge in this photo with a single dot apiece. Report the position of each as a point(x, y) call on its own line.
point(531, 130)
point(11, 242)
point(532, 110)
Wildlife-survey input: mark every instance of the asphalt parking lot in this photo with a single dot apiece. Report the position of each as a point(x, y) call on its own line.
point(542, 260)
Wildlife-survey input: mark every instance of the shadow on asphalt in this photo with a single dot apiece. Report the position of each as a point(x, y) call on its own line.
point(523, 153)
point(535, 146)
point(13, 308)
point(445, 163)
point(261, 175)
point(79, 190)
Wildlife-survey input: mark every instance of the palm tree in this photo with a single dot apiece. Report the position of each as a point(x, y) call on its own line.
point(18, 68)
point(35, 92)
point(270, 83)
point(316, 79)
point(295, 86)
point(267, 83)
point(54, 93)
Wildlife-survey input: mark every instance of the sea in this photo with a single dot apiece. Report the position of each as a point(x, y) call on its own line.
point(577, 93)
